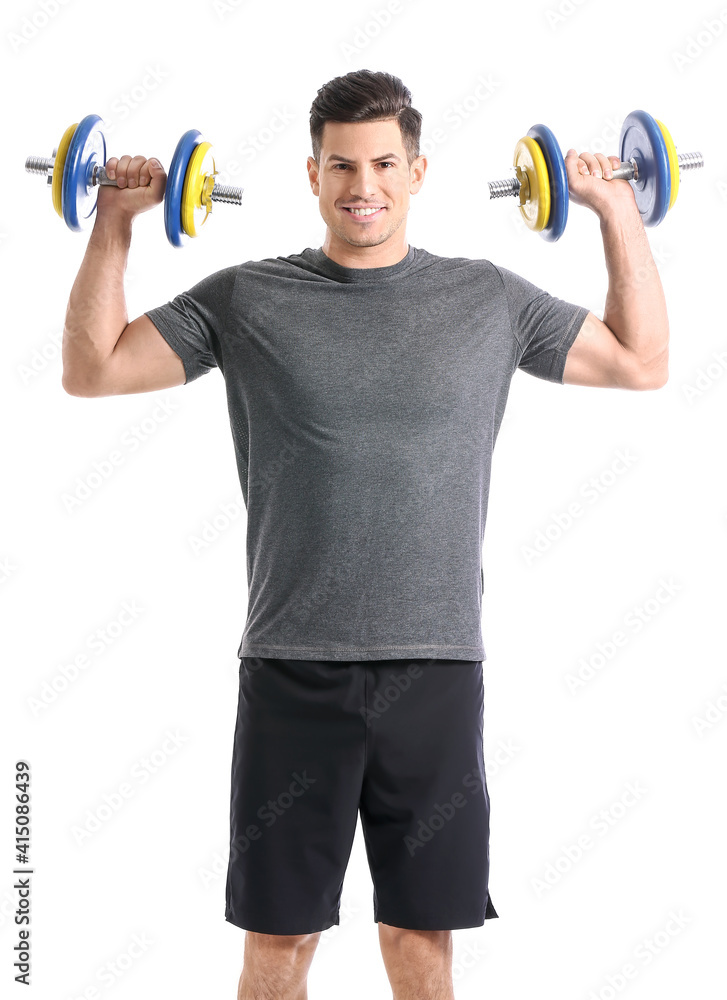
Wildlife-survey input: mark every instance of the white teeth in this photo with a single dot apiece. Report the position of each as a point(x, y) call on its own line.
point(363, 211)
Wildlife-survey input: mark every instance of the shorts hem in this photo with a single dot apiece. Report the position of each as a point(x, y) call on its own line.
point(443, 924)
point(274, 927)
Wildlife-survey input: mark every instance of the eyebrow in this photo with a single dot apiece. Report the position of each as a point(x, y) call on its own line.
point(376, 159)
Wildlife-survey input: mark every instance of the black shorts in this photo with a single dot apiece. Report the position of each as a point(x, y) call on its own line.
point(318, 740)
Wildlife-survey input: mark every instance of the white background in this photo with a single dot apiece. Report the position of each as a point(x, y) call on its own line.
point(555, 757)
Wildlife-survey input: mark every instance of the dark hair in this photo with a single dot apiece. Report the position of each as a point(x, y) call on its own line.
point(365, 96)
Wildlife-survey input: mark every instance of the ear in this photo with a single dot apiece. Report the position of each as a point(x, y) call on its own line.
point(416, 174)
point(313, 174)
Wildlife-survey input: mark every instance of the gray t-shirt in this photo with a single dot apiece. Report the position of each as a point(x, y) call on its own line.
point(364, 405)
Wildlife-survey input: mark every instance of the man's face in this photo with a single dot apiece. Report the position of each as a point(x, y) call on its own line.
point(363, 167)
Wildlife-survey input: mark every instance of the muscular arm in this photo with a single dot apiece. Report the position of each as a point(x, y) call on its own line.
point(635, 304)
point(629, 348)
point(96, 314)
point(104, 354)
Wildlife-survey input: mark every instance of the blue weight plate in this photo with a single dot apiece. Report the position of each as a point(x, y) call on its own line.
point(558, 182)
point(175, 186)
point(641, 139)
point(78, 195)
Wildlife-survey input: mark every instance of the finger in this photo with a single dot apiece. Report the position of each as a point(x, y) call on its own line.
point(121, 169)
point(132, 174)
point(579, 163)
point(605, 165)
point(145, 174)
point(110, 167)
point(573, 158)
point(158, 179)
point(591, 164)
point(150, 171)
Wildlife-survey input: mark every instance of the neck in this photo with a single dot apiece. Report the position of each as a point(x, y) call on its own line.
point(384, 255)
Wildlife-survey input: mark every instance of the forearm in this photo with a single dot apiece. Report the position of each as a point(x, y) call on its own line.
point(96, 315)
point(635, 304)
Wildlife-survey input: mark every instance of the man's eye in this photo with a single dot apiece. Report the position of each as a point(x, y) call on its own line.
point(344, 166)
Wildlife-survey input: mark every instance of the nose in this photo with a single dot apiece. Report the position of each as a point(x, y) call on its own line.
point(363, 184)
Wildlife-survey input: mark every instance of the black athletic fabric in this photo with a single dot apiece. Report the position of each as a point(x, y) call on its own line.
point(317, 742)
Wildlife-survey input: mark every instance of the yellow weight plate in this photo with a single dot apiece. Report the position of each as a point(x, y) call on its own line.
point(673, 162)
point(532, 172)
point(58, 165)
point(195, 192)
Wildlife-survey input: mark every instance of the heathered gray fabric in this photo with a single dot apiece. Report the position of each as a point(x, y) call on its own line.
point(364, 405)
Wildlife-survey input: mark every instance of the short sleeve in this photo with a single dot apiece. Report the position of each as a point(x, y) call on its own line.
point(192, 322)
point(544, 327)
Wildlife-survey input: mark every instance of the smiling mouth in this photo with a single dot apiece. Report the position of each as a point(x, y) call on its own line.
point(364, 213)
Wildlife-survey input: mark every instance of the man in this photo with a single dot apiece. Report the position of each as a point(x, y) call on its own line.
point(366, 383)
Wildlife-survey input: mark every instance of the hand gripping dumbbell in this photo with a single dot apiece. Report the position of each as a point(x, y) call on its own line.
point(649, 160)
point(77, 168)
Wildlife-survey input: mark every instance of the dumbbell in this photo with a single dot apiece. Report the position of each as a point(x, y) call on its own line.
point(77, 169)
point(649, 160)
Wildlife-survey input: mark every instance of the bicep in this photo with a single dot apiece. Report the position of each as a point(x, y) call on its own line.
point(597, 358)
point(141, 361)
